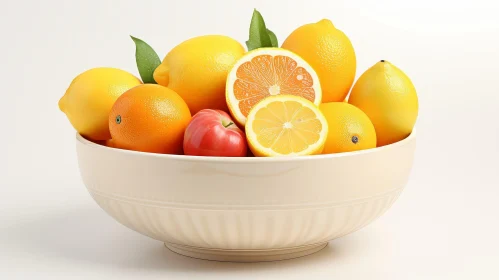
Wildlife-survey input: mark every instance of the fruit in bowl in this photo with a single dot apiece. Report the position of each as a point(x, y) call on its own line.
point(89, 99)
point(350, 129)
point(330, 53)
point(388, 97)
point(214, 133)
point(286, 125)
point(197, 70)
point(269, 72)
point(228, 155)
point(149, 118)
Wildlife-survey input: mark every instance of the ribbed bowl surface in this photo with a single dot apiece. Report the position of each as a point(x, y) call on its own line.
point(245, 203)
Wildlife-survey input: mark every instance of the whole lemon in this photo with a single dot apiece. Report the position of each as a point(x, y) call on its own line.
point(197, 70)
point(149, 118)
point(389, 98)
point(329, 51)
point(90, 97)
point(350, 129)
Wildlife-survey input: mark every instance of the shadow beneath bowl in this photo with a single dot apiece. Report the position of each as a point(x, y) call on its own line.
point(88, 235)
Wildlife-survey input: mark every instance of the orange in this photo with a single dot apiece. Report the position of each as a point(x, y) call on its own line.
point(350, 129)
point(197, 70)
point(110, 143)
point(286, 125)
point(149, 118)
point(330, 53)
point(268, 72)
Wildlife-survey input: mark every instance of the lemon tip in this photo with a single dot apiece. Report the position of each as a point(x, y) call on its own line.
point(325, 21)
point(161, 74)
point(61, 104)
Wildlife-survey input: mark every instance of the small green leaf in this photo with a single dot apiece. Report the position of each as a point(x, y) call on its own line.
point(147, 60)
point(273, 38)
point(259, 35)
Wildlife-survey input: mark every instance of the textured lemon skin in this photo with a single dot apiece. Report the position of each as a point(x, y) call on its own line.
point(387, 95)
point(197, 70)
point(330, 52)
point(90, 97)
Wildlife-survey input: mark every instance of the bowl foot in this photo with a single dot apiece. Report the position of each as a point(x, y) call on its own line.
point(245, 255)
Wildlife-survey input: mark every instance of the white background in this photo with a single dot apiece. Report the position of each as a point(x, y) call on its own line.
point(444, 226)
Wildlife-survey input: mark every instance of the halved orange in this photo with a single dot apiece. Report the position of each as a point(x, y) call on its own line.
point(286, 125)
point(267, 72)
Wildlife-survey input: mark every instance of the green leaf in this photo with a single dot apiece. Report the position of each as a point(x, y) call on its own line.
point(147, 60)
point(259, 35)
point(273, 38)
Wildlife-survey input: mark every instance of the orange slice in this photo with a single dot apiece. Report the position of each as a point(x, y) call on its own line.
point(286, 125)
point(268, 72)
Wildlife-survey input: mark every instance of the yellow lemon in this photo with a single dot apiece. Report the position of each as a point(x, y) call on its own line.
point(329, 51)
point(286, 125)
point(90, 97)
point(197, 70)
point(389, 98)
point(350, 129)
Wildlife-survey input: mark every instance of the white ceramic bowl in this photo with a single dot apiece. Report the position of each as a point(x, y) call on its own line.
point(245, 209)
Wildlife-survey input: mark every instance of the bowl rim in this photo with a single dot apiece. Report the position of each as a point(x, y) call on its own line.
point(208, 159)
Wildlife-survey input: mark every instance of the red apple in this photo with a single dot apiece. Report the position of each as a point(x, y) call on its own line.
point(213, 133)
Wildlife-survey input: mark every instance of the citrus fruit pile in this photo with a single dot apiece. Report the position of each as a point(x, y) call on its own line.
point(210, 96)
